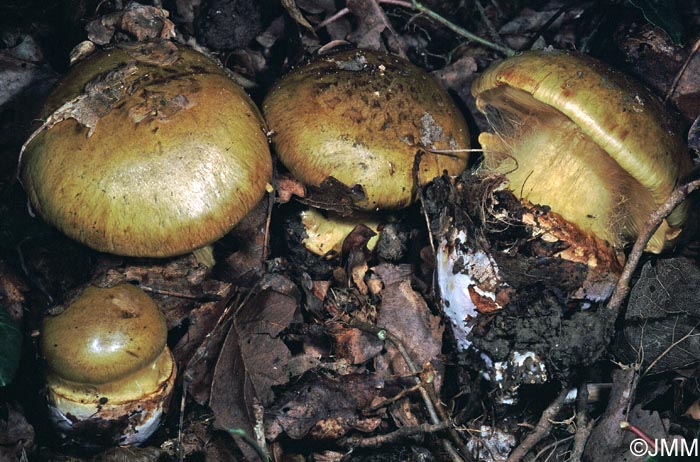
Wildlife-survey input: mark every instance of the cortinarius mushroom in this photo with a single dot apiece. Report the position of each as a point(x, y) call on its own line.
point(583, 139)
point(361, 117)
point(147, 149)
point(110, 374)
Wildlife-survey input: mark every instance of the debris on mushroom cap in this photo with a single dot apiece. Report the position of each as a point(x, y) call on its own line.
point(362, 117)
point(147, 149)
point(575, 135)
point(110, 374)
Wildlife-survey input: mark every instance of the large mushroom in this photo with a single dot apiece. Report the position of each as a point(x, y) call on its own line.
point(362, 117)
point(147, 149)
point(110, 373)
point(587, 141)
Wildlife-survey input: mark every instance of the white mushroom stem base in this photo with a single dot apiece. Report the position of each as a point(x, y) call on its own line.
point(124, 413)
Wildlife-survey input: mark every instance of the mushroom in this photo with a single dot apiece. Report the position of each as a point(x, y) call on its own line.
point(361, 117)
point(147, 150)
point(110, 374)
point(325, 234)
point(587, 141)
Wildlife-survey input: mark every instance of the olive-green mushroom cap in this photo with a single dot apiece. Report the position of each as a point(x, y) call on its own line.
point(149, 150)
point(105, 335)
point(361, 117)
point(617, 114)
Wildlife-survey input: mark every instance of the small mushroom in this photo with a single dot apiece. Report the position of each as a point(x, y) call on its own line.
point(110, 374)
point(362, 117)
point(148, 150)
point(587, 141)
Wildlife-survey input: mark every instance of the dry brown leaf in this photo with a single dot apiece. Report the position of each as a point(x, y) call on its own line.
point(323, 407)
point(253, 359)
point(404, 313)
point(372, 23)
point(140, 21)
point(353, 344)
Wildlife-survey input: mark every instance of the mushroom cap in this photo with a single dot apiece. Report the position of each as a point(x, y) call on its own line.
point(361, 116)
point(149, 150)
point(106, 335)
point(616, 113)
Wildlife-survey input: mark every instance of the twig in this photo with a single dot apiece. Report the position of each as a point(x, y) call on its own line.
point(417, 6)
point(332, 18)
point(584, 426)
point(487, 22)
point(622, 287)
point(460, 30)
point(427, 391)
point(268, 220)
point(541, 429)
point(393, 399)
point(552, 446)
point(181, 422)
point(546, 26)
point(393, 437)
point(682, 70)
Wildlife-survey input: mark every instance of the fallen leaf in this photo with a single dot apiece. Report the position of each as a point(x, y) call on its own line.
point(330, 407)
point(253, 359)
point(142, 22)
point(372, 26)
point(405, 314)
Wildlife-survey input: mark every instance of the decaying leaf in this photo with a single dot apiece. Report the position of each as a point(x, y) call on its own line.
point(663, 316)
point(98, 97)
point(334, 195)
point(323, 407)
point(142, 22)
point(404, 313)
point(16, 434)
point(372, 26)
point(253, 359)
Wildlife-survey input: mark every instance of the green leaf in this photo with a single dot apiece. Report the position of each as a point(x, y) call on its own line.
point(663, 14)
point(10, 347)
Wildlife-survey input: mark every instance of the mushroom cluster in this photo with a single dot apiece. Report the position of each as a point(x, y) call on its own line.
point(366, 122)
point(149, 150)
point(110, 373)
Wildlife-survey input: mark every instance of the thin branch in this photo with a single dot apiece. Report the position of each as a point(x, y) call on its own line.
point(460, 30)
point(622, 287)
point(552, 446)
point(393, 437)
point(541, 429)
point(682, 70)
point(435, 411)
point(584, 425)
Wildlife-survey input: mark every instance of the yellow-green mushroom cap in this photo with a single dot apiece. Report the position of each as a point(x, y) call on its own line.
point(584, 139)
point(361, 116)
point(104, 335)
point(148, 150)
